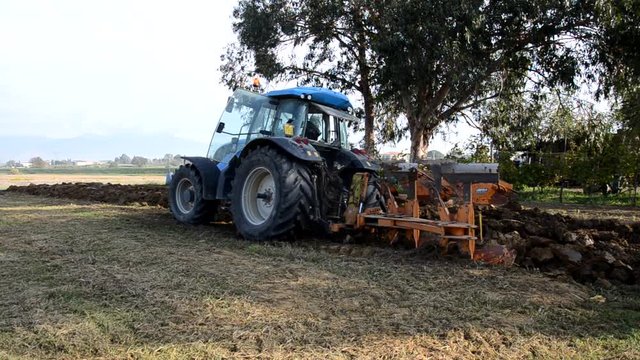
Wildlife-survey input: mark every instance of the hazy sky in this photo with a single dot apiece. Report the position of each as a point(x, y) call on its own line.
point(72, 68)
point(69, 68)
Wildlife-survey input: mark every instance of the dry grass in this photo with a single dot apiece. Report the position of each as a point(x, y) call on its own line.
point(100, 281)
point(7, 179)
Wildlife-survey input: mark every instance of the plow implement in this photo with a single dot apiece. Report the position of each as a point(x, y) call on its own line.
point(444, 205)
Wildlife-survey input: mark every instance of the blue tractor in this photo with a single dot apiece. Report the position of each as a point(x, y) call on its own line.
point(280, 162)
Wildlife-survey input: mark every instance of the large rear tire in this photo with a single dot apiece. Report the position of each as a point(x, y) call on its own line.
point(271, 195)
point(374, 196)
point(185, 197)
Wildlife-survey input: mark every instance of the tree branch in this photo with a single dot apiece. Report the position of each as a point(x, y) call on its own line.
point(322, 74)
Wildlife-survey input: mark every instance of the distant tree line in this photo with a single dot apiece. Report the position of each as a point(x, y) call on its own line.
point(122, 160)
point(166, 160)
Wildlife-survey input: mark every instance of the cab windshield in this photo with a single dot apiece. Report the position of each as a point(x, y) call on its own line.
point(248, 116)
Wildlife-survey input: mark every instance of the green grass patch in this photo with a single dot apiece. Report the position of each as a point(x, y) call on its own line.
point(576, 196)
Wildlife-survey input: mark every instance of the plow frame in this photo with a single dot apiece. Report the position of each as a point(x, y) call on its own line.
point(456, 223)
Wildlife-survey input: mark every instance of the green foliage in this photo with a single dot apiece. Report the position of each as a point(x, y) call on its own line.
point(440, 58)
point(508, 169)
point(456, 154)
point(511, 122)
point(629, 112)
point(549, 122)
point(476, 151)
point(563, 140)
point(617, 50)
point(574, 196)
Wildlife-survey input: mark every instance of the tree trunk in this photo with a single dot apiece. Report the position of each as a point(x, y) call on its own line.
point(418, 147)
point(420, 138)
point(369, 142)
point(421, 131)
point(367, 97)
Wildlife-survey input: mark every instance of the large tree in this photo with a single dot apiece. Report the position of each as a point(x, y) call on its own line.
point(331, 38)
point(440, 58)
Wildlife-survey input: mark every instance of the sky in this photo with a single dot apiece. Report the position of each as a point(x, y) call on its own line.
point(72, 69)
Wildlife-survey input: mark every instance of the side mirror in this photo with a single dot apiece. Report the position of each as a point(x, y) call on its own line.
point(230, 103)
point(220, 127)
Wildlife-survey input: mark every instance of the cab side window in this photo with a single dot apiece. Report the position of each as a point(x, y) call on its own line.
point(290, 111)
point(316, 127)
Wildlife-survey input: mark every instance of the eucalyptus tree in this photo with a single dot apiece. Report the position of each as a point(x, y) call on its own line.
point(438, 59)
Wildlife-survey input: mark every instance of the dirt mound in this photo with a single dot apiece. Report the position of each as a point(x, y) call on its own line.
point(152, 195)
point(590, 250)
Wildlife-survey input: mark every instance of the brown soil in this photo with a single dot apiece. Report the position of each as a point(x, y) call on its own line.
point(603, 251)
point(152, 195)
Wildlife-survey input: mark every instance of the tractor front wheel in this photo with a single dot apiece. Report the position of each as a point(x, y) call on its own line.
point(271, 195)
point(185, 197)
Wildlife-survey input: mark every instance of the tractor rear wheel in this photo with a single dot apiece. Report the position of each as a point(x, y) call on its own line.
point(271, 195)
point(185, 197)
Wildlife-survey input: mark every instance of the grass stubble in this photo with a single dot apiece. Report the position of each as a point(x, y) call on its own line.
point(86, 280)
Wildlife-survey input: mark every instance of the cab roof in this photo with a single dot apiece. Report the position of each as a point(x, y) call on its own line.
point(319, 95)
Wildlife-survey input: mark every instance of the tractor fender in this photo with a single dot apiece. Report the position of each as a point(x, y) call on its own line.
point(358, 162)
point(298, 149)
point(209, 174)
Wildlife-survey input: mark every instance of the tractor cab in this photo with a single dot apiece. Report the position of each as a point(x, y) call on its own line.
point(313, 115)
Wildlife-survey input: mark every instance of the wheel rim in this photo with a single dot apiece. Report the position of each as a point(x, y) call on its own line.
point(185, 196)
point(258, 196)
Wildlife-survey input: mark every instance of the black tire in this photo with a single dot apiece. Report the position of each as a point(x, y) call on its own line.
point(286, 187)
point(374, 196)
point(185, 197)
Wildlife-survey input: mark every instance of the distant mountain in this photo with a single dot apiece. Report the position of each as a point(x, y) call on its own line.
point(96, 147)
